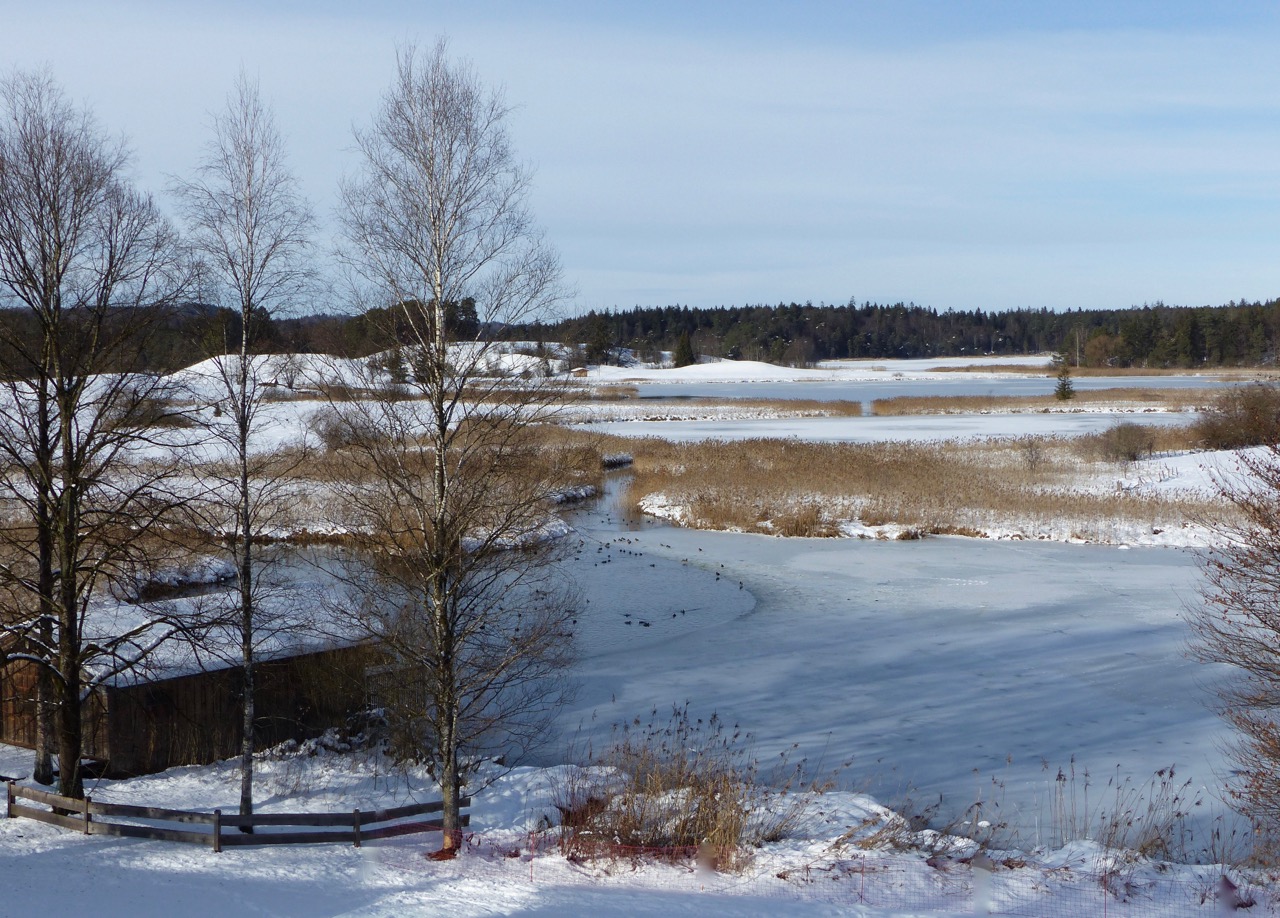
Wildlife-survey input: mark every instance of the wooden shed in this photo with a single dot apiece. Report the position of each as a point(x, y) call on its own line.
point(195, 719)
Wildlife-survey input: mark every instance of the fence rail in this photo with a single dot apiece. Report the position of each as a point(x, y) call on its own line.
point(352, 828)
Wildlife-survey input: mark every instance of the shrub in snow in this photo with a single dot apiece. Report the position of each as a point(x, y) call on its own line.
point(1127, 442)
point(680, 787)
point(1242, 416)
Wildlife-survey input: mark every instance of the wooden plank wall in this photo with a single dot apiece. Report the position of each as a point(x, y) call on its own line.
point(195, 719)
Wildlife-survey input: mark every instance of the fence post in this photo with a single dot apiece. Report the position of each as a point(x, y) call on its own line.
point(355, 824)
point(8, 806)
point(217, 831)
point(85, 807)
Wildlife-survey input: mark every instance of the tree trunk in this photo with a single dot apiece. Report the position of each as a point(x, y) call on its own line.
point(449, 819)
point(46, 692)
point(247, 746)
point(68, 530)
point(69, 724)
point(70, 783)
point(42, 771)
point(245, 536)
point(450, 780)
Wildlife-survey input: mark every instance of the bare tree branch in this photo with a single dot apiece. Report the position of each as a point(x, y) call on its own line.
point(87, 266)
point(252, 228)
point(447, 497)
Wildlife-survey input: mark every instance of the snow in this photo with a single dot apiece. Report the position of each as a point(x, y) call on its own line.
point(847, 856)
point(739, 371)
point(955, 667)
point(911, 428)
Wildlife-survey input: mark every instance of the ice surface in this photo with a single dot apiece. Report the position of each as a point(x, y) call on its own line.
point(939, 663)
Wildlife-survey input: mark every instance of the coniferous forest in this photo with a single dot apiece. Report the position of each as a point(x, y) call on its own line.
point(1151, 336)
point(1236, 334)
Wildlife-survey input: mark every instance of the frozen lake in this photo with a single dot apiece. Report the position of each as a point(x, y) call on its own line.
point(870, 429)
point(936, 664)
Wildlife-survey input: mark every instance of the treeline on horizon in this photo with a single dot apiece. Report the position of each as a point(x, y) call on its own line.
point(1236, 334)
point(1152, 336)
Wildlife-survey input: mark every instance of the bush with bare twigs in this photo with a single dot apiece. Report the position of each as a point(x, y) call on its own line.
point(683, 788)
point(1242, 416)
point(1126, 442)
point(1237, 623)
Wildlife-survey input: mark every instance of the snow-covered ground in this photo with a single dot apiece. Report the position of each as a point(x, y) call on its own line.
point(740, 371)
point(959, 667)
point(846, 856)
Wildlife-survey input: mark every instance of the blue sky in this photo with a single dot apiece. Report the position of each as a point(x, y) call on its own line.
point(958, 155)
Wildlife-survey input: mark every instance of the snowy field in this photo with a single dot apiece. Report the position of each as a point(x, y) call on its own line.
point(736, 372)
point(840, 860)
point(955, 668)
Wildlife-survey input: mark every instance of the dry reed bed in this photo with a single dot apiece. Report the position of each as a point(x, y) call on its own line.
point(787, 407)
point(308, 482)
point(1047, 369)
point(1123, 399)
point(790, 487)
point(699, 408)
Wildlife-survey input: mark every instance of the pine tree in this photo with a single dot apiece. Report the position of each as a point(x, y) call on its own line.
point(1064, 390)
point(684, 354)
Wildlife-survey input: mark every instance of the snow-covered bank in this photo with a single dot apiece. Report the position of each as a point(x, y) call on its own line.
point(847, 856)
point(737, 371)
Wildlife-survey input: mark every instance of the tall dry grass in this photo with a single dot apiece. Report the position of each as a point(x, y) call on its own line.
point(800, 407)
point(310, 480)
point(681, 788)
point(1132, 399)
point(1046, 369)
point(790, 487)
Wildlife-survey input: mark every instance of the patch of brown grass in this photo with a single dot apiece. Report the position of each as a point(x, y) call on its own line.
point(310, 481)
point(1043, 369)
point(1134, 399)
point(838, 408)
point(792, 407)
point(1047, 369)
point(611, 392)
point(789, 487)
point(680, 788)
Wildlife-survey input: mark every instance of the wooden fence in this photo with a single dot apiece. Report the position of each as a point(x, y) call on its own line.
point(354, 827)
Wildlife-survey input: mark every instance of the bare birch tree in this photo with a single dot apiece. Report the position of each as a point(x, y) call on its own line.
point(86, 268)
point(251, 227)
point(449, 500)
